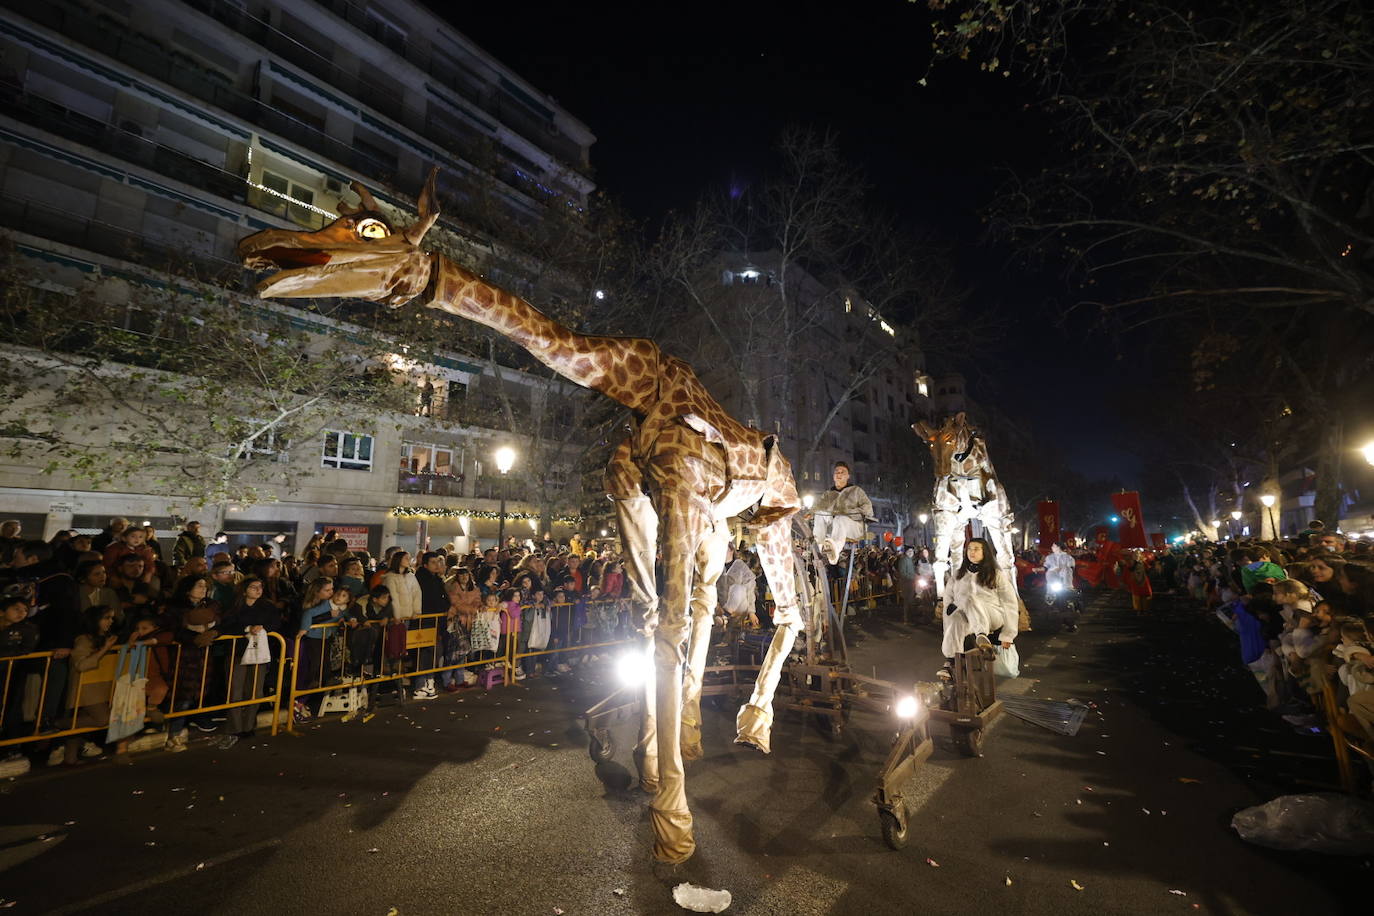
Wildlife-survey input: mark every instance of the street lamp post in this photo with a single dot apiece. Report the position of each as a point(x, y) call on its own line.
point(925, 532)
point(1269, 499)
point(505, 460)
point(1235, 521)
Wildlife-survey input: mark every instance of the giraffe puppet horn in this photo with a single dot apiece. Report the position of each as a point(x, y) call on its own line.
point(429, 210)
point(364, 195)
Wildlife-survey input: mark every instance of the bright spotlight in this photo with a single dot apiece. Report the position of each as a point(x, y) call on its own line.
point(907, 707)
point(1055, 587)
point(634, 668)
point(920, 583)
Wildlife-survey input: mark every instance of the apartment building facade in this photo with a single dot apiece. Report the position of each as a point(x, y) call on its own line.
point(138, 136)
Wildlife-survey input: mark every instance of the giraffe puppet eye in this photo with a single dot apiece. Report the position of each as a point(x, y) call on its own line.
point(372, 228)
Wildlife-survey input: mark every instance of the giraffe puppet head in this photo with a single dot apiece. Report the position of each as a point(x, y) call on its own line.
point(950, 443)
point(360, 255)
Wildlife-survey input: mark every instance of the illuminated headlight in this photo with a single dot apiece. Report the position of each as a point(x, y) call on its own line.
point(1055, 587)
point(634, 668)
point(920, 583)
point(906, 707)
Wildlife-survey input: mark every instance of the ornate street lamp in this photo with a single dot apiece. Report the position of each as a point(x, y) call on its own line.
point(505, 460)
point(1269, 499)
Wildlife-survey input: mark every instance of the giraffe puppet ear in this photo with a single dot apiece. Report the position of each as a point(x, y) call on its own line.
point(429, 210)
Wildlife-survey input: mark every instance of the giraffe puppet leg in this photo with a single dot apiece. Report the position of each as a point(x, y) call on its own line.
point(710, 560)
point(754, 723)
point(638, 522)
point(684, 524)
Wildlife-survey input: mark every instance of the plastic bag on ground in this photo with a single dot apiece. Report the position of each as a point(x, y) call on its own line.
point(700, 899)
point(1008, 663)
point(1320, 822)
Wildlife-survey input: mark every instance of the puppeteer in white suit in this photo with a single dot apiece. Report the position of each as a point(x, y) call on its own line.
point(1058, 568)
point(979, 599)
point(842, 512)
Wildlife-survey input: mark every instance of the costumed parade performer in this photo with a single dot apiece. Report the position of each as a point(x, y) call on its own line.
point(1058, 569)
point(736, 592)
point(841, 513)
point(979, 599)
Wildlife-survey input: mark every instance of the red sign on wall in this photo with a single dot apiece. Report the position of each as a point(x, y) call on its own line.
point(355, 536)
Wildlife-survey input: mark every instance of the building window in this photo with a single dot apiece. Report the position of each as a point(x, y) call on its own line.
point(427, 459)
point(288, 199)
point(347, 451)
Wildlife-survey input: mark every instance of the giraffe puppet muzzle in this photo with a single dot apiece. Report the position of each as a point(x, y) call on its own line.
point(357, 256)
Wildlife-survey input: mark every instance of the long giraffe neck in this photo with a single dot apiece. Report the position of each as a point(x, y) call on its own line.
point(617, 367)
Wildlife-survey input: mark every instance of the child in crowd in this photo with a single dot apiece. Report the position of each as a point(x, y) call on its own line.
point(538, 628)
point(1356, 653)
point(486, 629)
point(18, 636)
point(511, 625)
point(456, 645)
point(1293, 599)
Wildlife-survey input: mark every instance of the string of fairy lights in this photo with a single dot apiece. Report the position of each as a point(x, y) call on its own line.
point(484, 514)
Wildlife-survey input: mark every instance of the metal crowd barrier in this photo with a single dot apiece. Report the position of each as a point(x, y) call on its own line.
point(18, 669)
point(515, 656)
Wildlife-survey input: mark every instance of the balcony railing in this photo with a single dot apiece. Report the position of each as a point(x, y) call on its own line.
point(388, 103)
point(117, 242)
point(144, 54)
point(429, 484)
point(122, 144)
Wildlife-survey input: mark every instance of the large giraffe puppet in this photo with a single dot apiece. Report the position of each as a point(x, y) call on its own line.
point(686, 467)
point(966, 488)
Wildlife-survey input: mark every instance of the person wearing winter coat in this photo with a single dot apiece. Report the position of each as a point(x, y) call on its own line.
point(979, 600)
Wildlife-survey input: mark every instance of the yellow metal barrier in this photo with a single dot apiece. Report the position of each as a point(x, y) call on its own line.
point(426, 635)
point(13, 688)
point(515, 656)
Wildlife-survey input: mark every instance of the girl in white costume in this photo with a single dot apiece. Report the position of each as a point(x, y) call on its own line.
point(979, 598)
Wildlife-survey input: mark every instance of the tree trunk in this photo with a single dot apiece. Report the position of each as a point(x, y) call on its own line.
point(1328, 502)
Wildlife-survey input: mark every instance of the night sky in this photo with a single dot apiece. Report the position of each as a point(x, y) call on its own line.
point(688, 97)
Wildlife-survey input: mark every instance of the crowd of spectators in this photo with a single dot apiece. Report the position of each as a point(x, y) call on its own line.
point(1303, 609)
point(79, 597)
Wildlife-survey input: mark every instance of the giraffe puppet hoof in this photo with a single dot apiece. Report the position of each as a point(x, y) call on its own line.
point(673, 841)
point(754, 726)
point(693, 751)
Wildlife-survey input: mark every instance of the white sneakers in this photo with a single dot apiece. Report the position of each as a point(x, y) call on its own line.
point(177, 743)
point(90, 749)
point(982, 641)
point(831, 550)
point(425, 693)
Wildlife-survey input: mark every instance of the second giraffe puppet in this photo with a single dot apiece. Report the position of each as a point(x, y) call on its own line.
point(685, 469)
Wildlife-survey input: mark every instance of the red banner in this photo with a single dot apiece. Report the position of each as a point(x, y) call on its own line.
point(1049, 525)
point(1158, 540)
point(1131, 529)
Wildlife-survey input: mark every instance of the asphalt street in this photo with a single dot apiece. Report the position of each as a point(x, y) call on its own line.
point(489, 803)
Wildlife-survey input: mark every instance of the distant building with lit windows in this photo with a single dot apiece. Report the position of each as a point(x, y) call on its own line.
point(135, 132)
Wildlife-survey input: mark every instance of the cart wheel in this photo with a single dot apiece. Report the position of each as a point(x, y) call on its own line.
point(601, 746)
point(969, 741)
point(894, 834)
